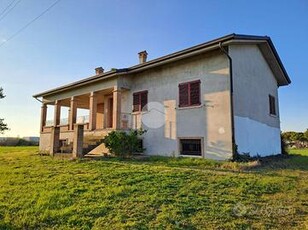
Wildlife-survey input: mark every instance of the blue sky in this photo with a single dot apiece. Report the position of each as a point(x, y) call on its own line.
point(75, 36)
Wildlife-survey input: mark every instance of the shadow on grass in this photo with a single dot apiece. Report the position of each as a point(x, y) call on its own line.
point(176, 162)
point(280, 162)
point(7, 226)
point(271, 163)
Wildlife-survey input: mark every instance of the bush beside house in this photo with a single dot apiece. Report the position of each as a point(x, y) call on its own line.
point(124, 144)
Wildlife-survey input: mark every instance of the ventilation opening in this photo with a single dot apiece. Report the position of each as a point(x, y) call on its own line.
point(190, 147)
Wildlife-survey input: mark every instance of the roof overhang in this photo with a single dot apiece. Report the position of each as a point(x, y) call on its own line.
point(265, 44)
point(269, 52)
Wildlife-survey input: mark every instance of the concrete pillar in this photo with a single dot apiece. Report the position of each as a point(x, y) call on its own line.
point(43, 116)
point(100, 116)
point(57, 113)
point(55, 140)
point(78, 141)
point(106, 115)
point(72, 113)
point(116, 108)
point(93, 111)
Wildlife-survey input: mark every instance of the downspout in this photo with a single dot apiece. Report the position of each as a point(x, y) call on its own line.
point(231, 98)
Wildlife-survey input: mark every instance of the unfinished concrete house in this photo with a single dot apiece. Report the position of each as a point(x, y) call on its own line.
point(206, 101)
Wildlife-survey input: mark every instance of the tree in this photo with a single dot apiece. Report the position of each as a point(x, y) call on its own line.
point(292, 136)
point(300, 137)
point(3, 126)
point(306, 134)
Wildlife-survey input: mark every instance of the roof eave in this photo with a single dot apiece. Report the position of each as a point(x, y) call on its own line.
point(77, 84)
point(158, 61)
point(204, 47)
point(279, 61)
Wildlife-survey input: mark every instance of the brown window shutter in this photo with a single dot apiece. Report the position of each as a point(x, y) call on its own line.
point(144, 100)
point(136, 102)
point(183, 95)
point(195, 93)
point(140, 100)
point(272, 104)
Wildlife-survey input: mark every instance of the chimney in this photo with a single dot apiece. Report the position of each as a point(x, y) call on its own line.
point(99, 70)
point(143, 56)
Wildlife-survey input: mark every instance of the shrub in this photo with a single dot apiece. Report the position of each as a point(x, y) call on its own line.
point(284, 150)
point(243, 157)
point(124, 144)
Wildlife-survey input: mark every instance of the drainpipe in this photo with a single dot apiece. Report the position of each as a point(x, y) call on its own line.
point(231, 97)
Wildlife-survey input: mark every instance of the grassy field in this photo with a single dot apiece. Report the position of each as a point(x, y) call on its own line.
point(41, 192)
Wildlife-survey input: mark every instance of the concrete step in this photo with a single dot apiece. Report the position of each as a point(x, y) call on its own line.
point(99, 150)
point(92, 143)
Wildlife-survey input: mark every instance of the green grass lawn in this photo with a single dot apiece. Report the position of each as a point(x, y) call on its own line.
point(41, 192)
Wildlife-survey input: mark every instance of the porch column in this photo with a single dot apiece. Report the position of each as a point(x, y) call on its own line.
point(116, 108)
point(78, 140)
point(106, 113)
point(54, 140)
point(57, 113)
point(93, 111)
point(73, 113)
point(43, 116)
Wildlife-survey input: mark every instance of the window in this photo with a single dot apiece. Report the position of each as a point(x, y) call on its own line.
point(189, 94)
point(140, 100)
point(190, 147)
point(272, 105)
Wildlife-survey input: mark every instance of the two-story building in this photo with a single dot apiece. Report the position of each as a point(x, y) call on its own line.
point(205, 101)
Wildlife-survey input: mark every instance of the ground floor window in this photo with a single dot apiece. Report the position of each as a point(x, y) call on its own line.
point(190, 147)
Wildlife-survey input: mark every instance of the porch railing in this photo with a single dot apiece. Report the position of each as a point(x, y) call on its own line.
point(64, 121)
point(128, 121)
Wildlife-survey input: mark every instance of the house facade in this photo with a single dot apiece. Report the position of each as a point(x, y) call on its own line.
point(206, 101)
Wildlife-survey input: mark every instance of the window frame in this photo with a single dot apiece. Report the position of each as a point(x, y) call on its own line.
point(189, 83)
point(191, 138)
point(272, 105)
point(140, 108)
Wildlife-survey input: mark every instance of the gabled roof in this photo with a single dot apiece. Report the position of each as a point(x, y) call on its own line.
point(265, 43)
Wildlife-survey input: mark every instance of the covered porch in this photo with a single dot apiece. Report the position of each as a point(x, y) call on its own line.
point(103, 110)
point(101, 113)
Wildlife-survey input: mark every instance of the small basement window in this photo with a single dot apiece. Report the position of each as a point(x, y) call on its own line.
point(272, 105)
point(190, 147)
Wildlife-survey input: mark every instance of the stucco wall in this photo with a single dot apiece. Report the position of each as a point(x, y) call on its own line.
point(67, 136)
point(45, 142)
point(256, 131)
point(256, 138)
point(210, 121)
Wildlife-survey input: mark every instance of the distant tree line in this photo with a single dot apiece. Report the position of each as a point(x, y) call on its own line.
point(15, 141)
point(295, 139)
point(3, 126)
